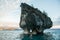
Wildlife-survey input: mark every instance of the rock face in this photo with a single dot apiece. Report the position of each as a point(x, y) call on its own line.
point(33, 19)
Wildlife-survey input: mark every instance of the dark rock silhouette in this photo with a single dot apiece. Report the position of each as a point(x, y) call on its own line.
point(33, 19)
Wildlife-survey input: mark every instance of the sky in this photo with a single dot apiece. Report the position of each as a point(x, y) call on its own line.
point(10, 10)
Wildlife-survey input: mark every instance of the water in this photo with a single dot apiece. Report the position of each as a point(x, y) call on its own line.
point(11, 34)
point(49, 34)
point(54, 32)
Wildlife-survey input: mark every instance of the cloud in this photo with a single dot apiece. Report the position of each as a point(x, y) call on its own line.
point(26, 1)
point(10, 10)
point(7, 6)
point(57, 22)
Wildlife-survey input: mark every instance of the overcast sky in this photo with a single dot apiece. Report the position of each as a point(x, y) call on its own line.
point(10, 9)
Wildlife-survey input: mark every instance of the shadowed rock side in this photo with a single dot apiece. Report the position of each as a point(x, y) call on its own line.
point(33, 20)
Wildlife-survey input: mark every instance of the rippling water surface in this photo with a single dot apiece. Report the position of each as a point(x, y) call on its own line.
point(49, 34)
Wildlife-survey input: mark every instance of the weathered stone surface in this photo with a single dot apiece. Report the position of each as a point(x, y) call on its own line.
point(33, 19)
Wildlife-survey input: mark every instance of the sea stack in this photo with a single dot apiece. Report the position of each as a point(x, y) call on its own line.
point(33, 20)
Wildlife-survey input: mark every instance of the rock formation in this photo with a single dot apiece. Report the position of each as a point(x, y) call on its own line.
point(33, 19)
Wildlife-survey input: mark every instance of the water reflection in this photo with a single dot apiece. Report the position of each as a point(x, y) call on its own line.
point(44, 36)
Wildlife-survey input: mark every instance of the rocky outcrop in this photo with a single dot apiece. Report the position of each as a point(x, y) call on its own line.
point(33, 19)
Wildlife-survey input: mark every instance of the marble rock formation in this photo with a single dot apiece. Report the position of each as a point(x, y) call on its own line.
point(33, 19)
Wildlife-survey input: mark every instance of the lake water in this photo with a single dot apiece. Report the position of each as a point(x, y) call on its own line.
point(49, 34)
